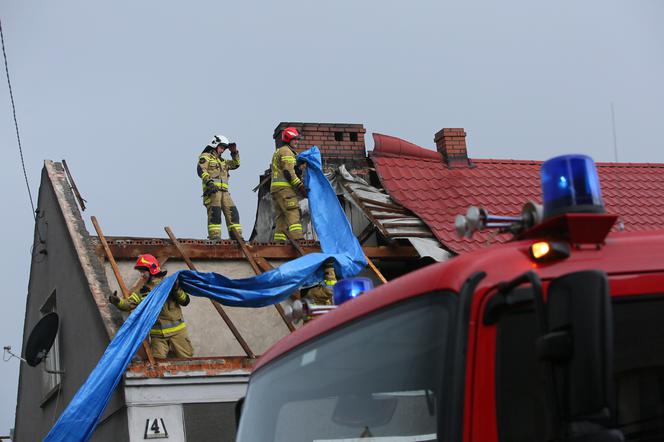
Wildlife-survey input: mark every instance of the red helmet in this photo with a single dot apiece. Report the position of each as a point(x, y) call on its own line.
point(149, 263)
point(289, 134)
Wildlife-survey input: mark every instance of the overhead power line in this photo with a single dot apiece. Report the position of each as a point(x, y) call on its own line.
point(18, 136)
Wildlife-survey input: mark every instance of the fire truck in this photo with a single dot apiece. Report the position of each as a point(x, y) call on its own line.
point(556, 335)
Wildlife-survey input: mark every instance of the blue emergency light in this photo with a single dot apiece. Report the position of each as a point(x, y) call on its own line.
point(350, 288)
point(570, 184)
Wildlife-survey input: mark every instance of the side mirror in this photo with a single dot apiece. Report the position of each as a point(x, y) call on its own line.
point(579, 348)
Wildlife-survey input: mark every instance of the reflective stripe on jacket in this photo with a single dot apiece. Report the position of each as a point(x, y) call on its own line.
point(283, 169)
point(170, 319)
point(211, 167)
point(165, 328)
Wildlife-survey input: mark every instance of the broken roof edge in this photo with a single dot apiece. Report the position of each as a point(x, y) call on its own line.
point(399, 201)
point(130, 247)
point(92, 268)
point(391, 145)
point(205, 367)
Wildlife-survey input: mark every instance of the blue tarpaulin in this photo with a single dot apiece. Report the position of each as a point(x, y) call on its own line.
point(79, 419)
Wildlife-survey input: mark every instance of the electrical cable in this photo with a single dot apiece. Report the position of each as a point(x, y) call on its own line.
point(18, 136)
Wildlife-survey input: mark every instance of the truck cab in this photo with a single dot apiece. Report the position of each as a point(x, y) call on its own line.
point(555, 335)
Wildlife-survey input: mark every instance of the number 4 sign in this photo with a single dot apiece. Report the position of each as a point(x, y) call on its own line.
point(155, 429)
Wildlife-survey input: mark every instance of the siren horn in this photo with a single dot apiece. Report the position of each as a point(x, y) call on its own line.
point(301, 310)
point(478, 218)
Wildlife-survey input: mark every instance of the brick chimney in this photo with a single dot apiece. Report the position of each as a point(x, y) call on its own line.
point(451, 143)
point(338, 143)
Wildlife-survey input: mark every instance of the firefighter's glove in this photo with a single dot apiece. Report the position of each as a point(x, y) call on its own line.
point(299, 170)
point(210, 188)
point(114, 299)
point(302, 190)
point(233, 148)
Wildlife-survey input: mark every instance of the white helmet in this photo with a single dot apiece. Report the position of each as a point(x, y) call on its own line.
point(219, 139)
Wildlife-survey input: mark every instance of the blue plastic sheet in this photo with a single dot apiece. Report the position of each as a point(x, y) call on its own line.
point(79, 419)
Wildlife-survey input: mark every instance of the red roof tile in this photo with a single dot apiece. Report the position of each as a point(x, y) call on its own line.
point(418, 179)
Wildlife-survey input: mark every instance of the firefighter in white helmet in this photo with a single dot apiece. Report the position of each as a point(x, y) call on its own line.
point(214, 173)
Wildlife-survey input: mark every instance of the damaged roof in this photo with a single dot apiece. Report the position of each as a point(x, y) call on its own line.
point(419, 179)
point(103, 265)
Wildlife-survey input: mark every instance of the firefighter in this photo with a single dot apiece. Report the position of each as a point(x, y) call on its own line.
point(169, 333)
point(321, 294)
point(285, 182)
point(213, 171)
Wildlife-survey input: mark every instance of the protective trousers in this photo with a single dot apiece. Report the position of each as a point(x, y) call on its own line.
point(286, 214)
point(178, 344)
point(216, 204)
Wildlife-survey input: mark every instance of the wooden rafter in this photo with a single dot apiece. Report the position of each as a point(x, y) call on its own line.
point(254, 262)
point(236, 333)
point(121, 283)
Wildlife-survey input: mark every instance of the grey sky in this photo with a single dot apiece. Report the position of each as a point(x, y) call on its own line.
point(128, 92)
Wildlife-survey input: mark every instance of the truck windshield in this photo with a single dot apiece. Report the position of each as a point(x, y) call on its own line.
point(379, 378)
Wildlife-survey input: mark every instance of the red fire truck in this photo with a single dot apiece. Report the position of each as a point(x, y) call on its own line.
point(557, 335)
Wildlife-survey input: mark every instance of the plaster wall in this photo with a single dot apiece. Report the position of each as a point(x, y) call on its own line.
point(113, 427)
point(170, 422)
point(191, 407)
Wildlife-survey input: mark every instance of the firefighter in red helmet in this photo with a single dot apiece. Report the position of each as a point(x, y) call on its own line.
point(169, 334)
point(285, 183)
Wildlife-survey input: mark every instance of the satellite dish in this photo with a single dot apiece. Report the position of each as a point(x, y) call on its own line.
point(41, 339)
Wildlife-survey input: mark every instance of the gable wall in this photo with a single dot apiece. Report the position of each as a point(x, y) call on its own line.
point(82, 335)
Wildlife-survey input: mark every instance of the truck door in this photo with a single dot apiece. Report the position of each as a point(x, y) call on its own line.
point(512, 403)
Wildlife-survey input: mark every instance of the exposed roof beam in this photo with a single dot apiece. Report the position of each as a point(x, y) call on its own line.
point(130, 248)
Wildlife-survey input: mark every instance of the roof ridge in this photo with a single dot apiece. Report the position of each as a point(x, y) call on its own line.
point(629, 165)
point(598, 164)
point(505, 160)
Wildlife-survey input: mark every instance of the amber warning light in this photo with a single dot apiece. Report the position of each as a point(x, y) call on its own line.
point(543, 251)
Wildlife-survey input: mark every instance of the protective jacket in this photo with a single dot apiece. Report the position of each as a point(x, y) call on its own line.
point(169, 321)
point(211, 167)
point(283, 169)
point(322, 293)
